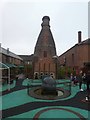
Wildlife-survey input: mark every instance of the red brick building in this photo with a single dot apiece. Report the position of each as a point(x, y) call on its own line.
point(9, 64)
point(45, 61)
point(27, 63)
point(77, 56)
point(45, 52)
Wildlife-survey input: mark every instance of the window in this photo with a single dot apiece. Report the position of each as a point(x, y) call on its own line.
point(45, 53)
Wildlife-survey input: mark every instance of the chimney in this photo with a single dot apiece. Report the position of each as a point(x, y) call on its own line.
point(7, 50)
point(45, 22)
point(79, 36)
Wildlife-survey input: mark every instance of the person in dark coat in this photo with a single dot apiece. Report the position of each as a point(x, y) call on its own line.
point(88, 80)
point(88, 84)
point(80, 80)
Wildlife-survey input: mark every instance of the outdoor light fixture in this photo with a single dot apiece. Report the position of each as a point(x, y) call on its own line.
point(56, 62)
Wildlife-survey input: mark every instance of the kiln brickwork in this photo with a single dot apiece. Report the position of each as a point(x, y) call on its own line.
point(45, 51)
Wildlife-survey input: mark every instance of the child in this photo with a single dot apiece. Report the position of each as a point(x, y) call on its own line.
point(75, 80)
point(72, 78)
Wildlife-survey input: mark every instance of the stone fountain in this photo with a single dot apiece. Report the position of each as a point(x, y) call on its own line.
point(48, 86)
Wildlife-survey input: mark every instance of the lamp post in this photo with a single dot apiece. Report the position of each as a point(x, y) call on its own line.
point(28, 63)
point(55, 60)
point(8, 79)
point(35, 59)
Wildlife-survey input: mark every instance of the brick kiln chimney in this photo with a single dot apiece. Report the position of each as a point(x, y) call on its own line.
point(44, 51)
point(45, 41)
point(79, 36)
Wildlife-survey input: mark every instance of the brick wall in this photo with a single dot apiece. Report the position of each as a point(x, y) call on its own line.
point(76, 56)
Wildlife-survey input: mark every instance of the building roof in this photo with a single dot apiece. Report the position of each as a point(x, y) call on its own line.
point(87, 41)
point(27, 57)
point(9, 53)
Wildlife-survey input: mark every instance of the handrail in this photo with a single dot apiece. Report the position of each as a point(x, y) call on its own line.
point(8, 75)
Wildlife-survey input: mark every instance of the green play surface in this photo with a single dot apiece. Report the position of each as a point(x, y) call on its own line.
point(53, 113)
point(20, 97)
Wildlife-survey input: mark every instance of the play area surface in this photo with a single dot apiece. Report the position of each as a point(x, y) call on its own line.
point(17, 103)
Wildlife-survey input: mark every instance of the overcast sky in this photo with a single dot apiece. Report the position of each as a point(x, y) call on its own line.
point(20, 23)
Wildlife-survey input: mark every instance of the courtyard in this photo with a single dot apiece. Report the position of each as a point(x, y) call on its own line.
point(16, 103)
